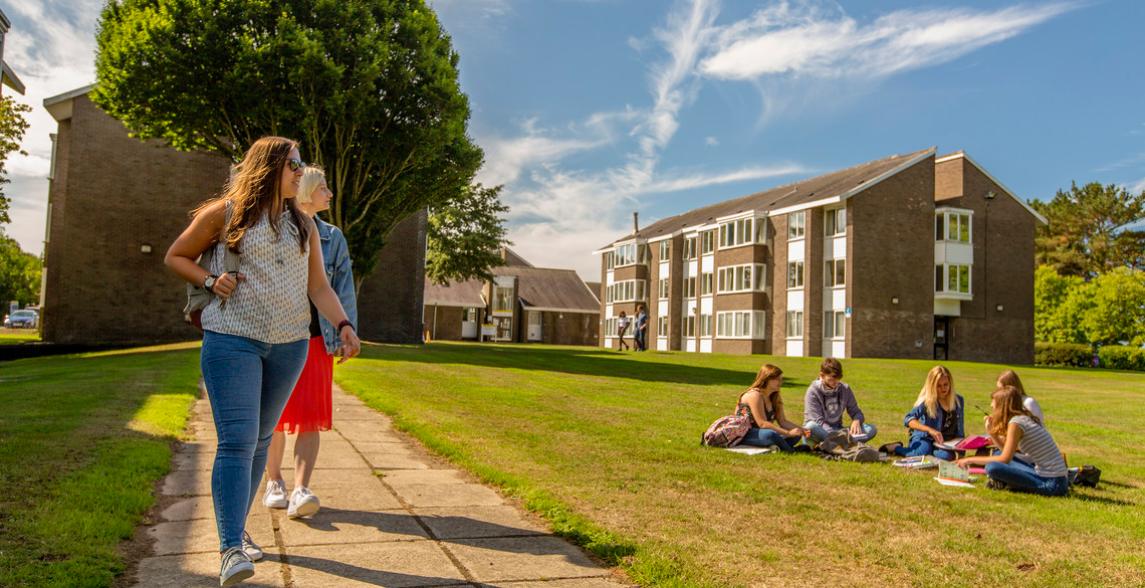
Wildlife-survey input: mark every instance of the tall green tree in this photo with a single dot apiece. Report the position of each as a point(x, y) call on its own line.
point(19, 273)
point(370, 87)
point(1082, 239)
point(464, 236)
point(12, 128)
point(1118, 311)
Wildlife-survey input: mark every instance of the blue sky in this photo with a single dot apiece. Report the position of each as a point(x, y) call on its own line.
point(591, 109)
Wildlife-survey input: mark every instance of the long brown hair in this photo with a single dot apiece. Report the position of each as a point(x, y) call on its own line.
point(1007, 405)
point(1010, 378)
point(254, 189)
point(766, 374)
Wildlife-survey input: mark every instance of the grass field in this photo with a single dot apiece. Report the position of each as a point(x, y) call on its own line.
point(605, 445)
point(14, 336)
point(83, 439)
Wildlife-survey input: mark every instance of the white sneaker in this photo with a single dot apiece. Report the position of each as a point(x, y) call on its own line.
point(275, 496)
point(250, 548)
point(235, 567)
point(302, 503)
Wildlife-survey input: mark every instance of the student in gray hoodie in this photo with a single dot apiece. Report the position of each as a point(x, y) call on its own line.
point(825, 401)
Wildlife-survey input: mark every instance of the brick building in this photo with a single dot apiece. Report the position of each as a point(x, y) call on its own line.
point(522, 303)
point(912, 256)
point(114, 206)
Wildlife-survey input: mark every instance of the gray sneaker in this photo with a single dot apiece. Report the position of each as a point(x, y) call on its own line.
point(250, 548)
point(235, 567)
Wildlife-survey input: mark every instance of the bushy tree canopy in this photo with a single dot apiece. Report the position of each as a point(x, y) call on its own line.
point(19, 273)
point(369, 87)
point(1109, 309)
point(465, 236)
point(12, 127)
point(1082, 237)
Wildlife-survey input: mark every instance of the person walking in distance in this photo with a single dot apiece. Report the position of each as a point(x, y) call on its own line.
point(310, 408)
point(622, 327)
point(256, 327)
point(640, 334)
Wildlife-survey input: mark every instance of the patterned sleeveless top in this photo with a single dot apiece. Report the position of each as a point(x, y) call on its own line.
point(272, 304)
point(744, 409)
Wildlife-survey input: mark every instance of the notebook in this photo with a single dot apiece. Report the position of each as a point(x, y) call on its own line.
point(967, 444)
point(749, 450)
point(949, 474)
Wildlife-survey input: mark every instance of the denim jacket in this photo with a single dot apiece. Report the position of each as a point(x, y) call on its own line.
point(919, 412)
point(336, 258)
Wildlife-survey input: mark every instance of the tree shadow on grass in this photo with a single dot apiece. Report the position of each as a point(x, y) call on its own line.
point(588, 361)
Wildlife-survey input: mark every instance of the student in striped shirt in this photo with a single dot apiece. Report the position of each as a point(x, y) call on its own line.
point(1021, 431)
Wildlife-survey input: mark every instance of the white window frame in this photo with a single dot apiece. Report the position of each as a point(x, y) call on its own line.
point(662, 326)
point(690, 284)
point(665, 250)
point(794, 324)
point(742, 231)
point(689, 326)
point(497, 298)
point(835, 221)
point(831, 269)
point(608, 260)
point(834, 325)
point(707, 242)
point(706, 325)
point(944, 272)
point(625, 255)
point(691, 245)
point(796, 225)
point(731, 278)
point(963, 220)
point(707, 283)
point(796, 269)
point(664, 287)
point(741, 324)
point(627, 291)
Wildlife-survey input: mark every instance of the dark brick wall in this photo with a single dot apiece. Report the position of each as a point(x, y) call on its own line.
point(890, 253)
point(813, 280)
point(570, 328)
point(443, 323)
point(111, 195)
point(777, 313)
point(390, 298)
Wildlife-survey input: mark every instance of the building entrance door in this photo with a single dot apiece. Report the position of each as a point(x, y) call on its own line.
point(942, 337)
point(534, 331)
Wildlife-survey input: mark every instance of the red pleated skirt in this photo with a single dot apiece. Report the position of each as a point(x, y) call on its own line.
point(310, 406)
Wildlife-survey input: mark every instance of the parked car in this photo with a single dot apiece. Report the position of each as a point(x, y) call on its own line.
point(22, 319)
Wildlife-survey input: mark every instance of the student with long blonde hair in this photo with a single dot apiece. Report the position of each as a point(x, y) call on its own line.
point(764, 407)
point(1021, 431)
point(255, 328)
point(937, 416)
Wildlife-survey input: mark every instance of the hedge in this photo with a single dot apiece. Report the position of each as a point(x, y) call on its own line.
point(1119, 357)
point(1063, 354)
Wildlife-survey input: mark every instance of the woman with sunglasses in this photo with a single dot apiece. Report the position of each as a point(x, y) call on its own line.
point(256, 328)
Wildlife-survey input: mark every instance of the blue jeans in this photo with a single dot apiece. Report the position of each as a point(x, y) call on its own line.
point(1021, 477)
point(638, 337)
point(248, 383)
point(924, 446)
point(758, 437)
point(819, 432)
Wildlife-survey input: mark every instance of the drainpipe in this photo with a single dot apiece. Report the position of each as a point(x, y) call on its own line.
point(435, 322)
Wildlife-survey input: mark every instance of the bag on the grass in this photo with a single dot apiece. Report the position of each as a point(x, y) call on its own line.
point(1088, 476)
point(198, 297)
point(841, 447)
point(727, 431)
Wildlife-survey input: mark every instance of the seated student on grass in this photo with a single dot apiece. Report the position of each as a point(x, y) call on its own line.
point(937, 416)
point(825, 401)
point(1019, 430)
point(763, 405)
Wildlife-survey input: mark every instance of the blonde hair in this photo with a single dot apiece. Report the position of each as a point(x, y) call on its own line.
point(929, 393)
point(312, 177)
point(254, 190)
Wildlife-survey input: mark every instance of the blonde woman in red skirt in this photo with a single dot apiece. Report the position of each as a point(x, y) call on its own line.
point(309, 410)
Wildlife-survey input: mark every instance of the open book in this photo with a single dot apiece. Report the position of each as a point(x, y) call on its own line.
point(950, 474)
point(967, 444)
point(752, 450)
point(920, 462)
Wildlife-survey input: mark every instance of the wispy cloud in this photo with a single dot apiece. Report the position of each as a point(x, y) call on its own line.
point(677, 183)
point(1137, 187)
point(1132, 161)
point(805, 39)
point(711, 141)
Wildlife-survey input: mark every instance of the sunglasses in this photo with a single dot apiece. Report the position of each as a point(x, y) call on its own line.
point(295, 164)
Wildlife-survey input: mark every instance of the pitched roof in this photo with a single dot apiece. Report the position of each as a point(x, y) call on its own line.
point(551, 289)
point(465, 294)
point(840, 185)
point(513, 258)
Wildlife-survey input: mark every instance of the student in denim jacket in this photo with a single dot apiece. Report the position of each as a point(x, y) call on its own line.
point(937, 416)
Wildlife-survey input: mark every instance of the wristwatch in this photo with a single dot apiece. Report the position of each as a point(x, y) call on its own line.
point(209, 283)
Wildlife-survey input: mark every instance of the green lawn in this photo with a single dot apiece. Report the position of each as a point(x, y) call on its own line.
point(14, 336)
point(83, 439)
point(605, 445)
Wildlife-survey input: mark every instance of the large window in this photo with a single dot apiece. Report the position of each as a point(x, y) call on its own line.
point(796, 224)
point(707, 242)
point(835, 221)
point(663, 288)
point(608, 262)
point(743, 232)
point(952, 278)
point(742, 278)
point(626, 291)
point(795, 274)
point(689, 326)
point(625, 254)
point(665, 250)
point(690, 248)
point(740, 324)
point(834, 324)
point(705, 283)
point(690, 287)
point(834, 273)
point(661, 326)
point(795, 323)
point(502, 299)
point(705, 325)
point(952, 226)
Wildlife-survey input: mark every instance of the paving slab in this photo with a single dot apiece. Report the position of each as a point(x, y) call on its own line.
point(188, 509)
point(407, 563)
point(469, 522)
point(202, 536)
point(187, 483)
point(200, 570)
point(339, 525)
point(468, 494)
point(523, 558)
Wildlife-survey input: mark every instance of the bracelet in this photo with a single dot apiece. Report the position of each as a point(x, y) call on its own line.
point(345, 324)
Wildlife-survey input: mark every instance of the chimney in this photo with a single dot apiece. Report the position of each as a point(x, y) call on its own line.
point(635, 223)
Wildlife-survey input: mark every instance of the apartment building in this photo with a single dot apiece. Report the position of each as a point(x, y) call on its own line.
point(913, 256)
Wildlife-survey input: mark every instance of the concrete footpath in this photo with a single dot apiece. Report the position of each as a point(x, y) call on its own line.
point(391, 516)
